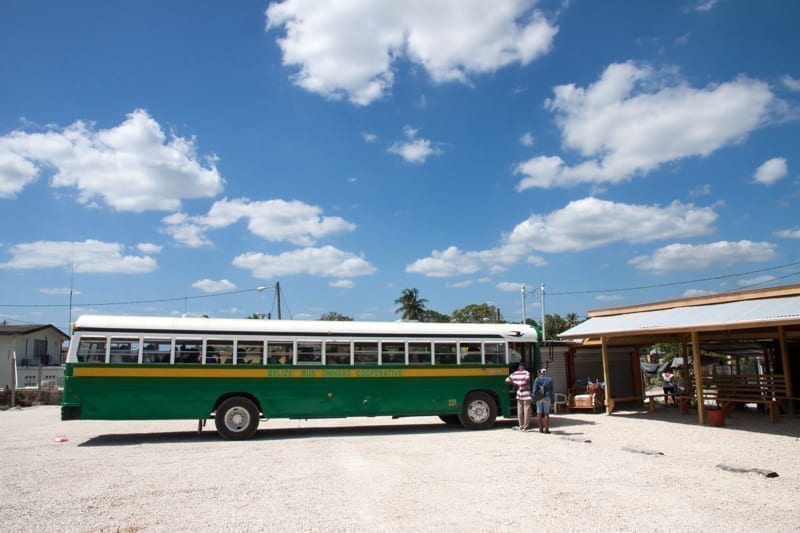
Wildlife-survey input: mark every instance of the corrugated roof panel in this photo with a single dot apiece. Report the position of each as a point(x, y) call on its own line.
point(723, 315)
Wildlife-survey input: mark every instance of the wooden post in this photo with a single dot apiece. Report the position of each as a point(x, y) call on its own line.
point(698, 377)
point(787, 375)
point(636, 367)
point(606, 375)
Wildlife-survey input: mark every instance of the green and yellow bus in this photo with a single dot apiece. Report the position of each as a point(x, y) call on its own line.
point(240, 371)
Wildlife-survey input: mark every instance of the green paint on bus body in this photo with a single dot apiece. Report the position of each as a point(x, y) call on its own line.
point(290, 392)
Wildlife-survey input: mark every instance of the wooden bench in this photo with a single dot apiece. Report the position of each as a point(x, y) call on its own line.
point(650, 399)
point(611, 403)
point(727, 391)
point(592, 398)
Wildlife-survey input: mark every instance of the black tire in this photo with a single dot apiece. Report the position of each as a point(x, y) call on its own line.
point(236, 418)
point(450, 419)
point(480, 411)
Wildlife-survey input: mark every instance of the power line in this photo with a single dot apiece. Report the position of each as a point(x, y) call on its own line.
point(135, 302)
point(687, 282)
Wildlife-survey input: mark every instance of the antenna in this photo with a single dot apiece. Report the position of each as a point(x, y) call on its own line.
point(71, 282)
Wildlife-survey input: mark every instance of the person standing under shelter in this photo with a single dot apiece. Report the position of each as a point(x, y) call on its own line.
point(521, 379)
point(543, 389)
point(669, 386)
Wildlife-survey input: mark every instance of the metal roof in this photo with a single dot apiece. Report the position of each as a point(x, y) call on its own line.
point(719, 316)
point(27, 329)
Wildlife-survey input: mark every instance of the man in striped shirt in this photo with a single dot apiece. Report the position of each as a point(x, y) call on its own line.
point(521, 379)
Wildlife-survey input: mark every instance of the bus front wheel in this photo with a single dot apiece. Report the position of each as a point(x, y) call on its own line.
point(236, 418)
point(480, 411)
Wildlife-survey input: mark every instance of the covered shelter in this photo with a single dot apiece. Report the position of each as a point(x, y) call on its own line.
point(750, 321)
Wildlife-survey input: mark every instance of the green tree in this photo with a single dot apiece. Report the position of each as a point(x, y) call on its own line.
point(477, 313)
point(556, 324)
point(411, 305)
point(256, 316)
point(333, 315)
point(434, 316)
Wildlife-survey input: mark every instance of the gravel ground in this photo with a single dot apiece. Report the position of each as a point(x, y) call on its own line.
point(632, 471)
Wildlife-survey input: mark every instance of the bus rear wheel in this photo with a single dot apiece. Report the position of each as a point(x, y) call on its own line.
point(236, 418)
point(480, 411)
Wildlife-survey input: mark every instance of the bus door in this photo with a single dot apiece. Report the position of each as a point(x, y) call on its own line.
point(528, 354)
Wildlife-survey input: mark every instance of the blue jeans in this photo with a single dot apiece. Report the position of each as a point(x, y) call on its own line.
point(543, 406)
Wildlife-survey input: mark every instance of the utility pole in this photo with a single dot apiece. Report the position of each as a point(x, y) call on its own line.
point(544, 334)
point(523, 303)
point(278, 292)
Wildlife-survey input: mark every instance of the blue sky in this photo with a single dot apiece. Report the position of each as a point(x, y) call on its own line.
point(168, 158)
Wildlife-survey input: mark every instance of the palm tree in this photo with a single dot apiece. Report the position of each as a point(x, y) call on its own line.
point(411, 305)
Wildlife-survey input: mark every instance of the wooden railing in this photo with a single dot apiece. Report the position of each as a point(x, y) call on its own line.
point(728, 390)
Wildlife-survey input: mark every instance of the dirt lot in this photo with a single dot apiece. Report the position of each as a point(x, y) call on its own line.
point(627, 472)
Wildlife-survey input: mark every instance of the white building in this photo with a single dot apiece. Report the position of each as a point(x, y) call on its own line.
point(38, 354)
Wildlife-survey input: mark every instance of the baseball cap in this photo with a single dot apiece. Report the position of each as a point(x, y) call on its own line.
point(543, 371)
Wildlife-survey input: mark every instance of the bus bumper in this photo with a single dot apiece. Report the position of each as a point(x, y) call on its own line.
point(71, 412)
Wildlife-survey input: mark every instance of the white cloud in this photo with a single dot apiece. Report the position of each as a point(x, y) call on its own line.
point(369, 137)
point(342, 284)
point(701, 256)
point(450, 262)
point(771, 171)
point(791, 83)
point(631, 121)
point(689, 293)
point(130, 167)
point(413, 150)
point(705, 5)
point(526, 139)
point(64, 291)
point(581, 225)
point(701, 190)
point(466, 283)
point(789, 233)
point(16, 171)
point(509, 286)
point(149, 248)
point(766, 278)
point(590, 223)
point(87, 256)
point(609, 297)
point(324, 262)
point(209, 285)
point(273, 220)
point(349, 48)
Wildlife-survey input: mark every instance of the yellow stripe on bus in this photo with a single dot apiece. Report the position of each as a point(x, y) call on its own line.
point(211, 372)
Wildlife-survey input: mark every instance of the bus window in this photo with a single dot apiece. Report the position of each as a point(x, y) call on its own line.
point(123, 350)
point(514, 355)
point(188, 350)
point(156, 351)
point(249, 352)
point(393, 353)
point(366, 353)
point(337, 353)
point(92, 350)
point(218, 352)
point(444, 353)
point(419, 353)
point(495, 352)
point(309, 352)
point(470, 352)
point(279, 353)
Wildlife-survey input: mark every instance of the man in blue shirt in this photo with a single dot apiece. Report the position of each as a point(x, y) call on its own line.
point(543, 392)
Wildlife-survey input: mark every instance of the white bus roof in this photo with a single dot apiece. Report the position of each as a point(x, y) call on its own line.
point(153, 324)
